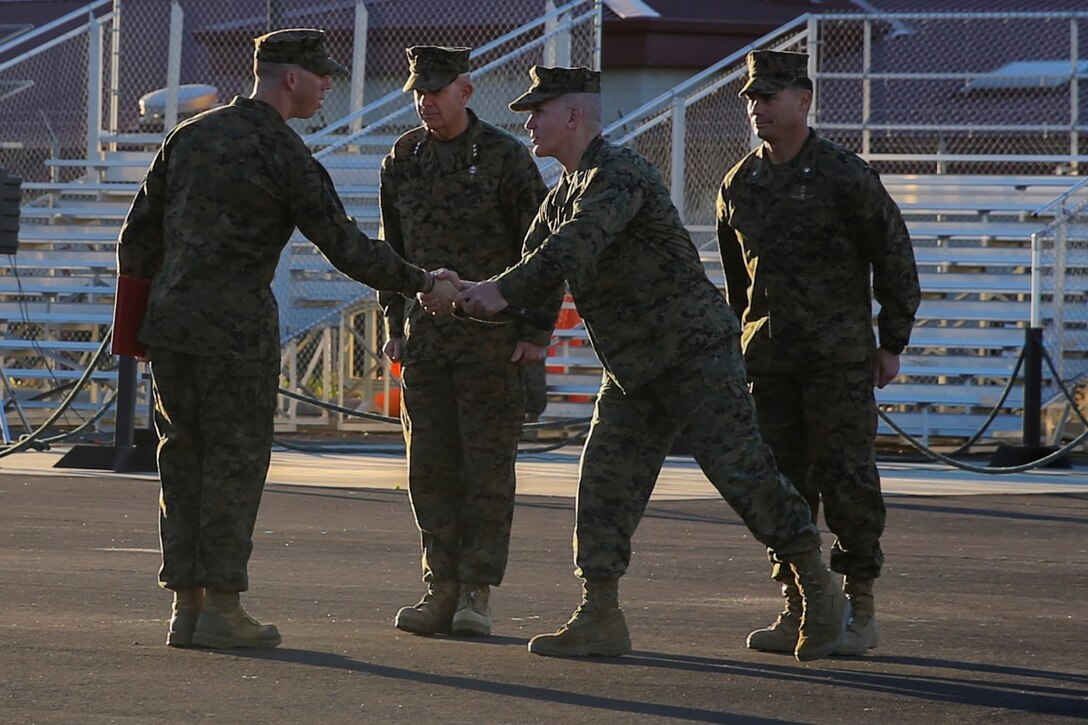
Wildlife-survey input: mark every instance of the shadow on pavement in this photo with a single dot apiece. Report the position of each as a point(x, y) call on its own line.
point(507, 689)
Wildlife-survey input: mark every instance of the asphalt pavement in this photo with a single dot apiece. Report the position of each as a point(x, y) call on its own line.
point(982, 609)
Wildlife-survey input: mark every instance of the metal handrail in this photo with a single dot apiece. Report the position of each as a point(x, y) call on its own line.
point(385, 100)
point(38, 50)
point(24, 37)
point(1059, 199)
point(666, 98)
point(520, 50)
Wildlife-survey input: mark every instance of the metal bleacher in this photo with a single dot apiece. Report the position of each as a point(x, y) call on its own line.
point(971, 236)
point(972, 242)
point(971, 233)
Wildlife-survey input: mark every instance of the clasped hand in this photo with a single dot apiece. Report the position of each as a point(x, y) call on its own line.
point(439, 300)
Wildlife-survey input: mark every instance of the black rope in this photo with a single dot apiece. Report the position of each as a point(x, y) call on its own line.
point(997, 407)
point(32, 439)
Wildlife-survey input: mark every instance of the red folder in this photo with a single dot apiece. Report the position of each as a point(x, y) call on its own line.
point(129, 306)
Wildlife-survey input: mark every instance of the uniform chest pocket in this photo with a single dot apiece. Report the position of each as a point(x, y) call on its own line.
point(750, 225)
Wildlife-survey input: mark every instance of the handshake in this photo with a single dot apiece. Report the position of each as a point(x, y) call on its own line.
point(452, 295)
point(482, 301)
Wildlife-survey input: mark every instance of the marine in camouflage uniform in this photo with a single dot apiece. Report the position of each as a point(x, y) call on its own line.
point(669, 345)
point(799, 241)
point(217, 206)
point(458, 192)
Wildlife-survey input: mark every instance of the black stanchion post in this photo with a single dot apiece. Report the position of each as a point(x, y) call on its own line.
point(1030, 448)
point(123, 435)
point(126, 401)
point(1033, 383)
point(127, 454)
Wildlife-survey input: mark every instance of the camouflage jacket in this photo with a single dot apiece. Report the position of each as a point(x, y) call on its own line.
point(799, 242)
point(219, 203)
point(610, 230)
point(465, 207)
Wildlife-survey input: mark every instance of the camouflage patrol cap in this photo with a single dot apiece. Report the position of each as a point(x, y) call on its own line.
point(303, 47)
point(769, 71)
point(549, 83)
point(434, 67)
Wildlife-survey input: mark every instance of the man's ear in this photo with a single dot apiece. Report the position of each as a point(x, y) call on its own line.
point(290, 79)
point(466, 93)
point(575, 116)
point(806, 100)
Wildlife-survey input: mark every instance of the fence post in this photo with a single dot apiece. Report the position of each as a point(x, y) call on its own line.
point(1074, 94)
point(679, 141)
point(94, 88)
point(597, 26)
point(115, 73)
point(557, 47)
point(1059, 273)
point(173, 67)
point(358, 63)
point(1036, 291)
point(813, 46)
point(866, 89)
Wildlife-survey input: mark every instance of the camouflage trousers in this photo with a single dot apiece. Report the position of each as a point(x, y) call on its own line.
point(215, 421)
point(821, 425)
point(461, 424)
point(632, 433)
point(536, 389)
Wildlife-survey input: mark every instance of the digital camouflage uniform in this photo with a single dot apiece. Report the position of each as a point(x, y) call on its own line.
point(462, 204)
point(536, 389)
point(217, 206)
point(668, 343)
point(799, 241)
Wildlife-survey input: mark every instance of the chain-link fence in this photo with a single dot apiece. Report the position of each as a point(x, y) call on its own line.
point(956, 93)
point(54, 308)
point(505, 40)
point(696, 132)
point(947, 93)
point(44, 93)
point(85, 100)
point(1061, 292)
point(212, 45)
point(317, 302)
point(936, 93)
point(922, 94)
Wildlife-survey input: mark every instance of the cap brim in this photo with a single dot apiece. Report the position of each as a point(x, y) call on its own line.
point(528, 100)
point(428, 82)
point(329, 67)
point(761, 86)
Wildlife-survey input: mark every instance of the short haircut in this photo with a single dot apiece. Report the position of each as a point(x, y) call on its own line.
point(269, 71)
point(804, 84)
point(590, 103)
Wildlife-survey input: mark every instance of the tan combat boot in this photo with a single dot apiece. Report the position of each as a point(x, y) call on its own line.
point(224, 624)
point(782, 635)
point(597, 627)
point(861, 634)
point(473, 615)
point(826, 613)
point(434, 612)
point(184, 612)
